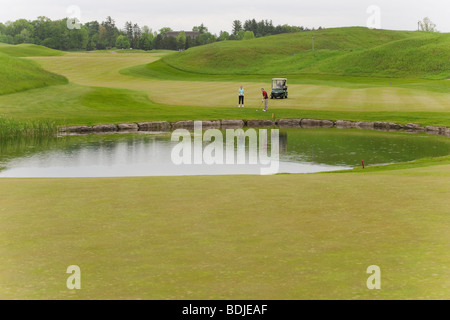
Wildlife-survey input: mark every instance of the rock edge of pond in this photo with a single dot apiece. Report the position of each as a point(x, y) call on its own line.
point(164, 126)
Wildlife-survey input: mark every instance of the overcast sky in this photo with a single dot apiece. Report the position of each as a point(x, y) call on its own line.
point(219, 15)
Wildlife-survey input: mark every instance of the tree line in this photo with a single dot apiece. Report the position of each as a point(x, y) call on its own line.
point(94, 35)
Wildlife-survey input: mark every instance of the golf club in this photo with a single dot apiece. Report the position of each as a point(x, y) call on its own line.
point(260, 105)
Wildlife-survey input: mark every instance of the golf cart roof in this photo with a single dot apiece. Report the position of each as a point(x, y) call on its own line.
point(273, 79)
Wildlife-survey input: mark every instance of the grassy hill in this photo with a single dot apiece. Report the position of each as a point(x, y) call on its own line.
point(424, 56)
point(28, 50)
point(353, 51)
point(18, 74)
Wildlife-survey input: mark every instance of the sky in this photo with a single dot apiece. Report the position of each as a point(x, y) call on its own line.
point(219, 15)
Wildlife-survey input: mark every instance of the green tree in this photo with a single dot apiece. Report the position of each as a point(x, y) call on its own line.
point(3, 36)
point(164, 30)
point(63, 35)
point(248, 35)
point(16, 30)
point(205, 38)
point(92, 44)
point(251, 25)
point(201, 28)
point(122, 42)
point(82, 36)
point(146, 29)
point(111, 32)
point(129, 30)
point(92, 28)
point(50, 43)
point(6, 39)
point(189, 42)
point(169, 43)
point(25, 36)
point(15, 27)
point(237, 26)
point(181, 41)
point(224, 36)
point(157, 42)
point(42, 29)
point(102, 40)
point(146, 41)
point(75, 39)
point(136, 36)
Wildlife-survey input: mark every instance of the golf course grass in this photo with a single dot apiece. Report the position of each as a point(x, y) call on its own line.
point(287, 236)
point(98, 79)
point(278, 237)
point(28, 50)
point(18, 75)
point(342, 51)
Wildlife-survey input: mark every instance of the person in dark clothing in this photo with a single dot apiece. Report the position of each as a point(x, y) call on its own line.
point(265, 99)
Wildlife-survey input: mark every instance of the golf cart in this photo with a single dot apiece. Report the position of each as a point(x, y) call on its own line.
point(279, 88)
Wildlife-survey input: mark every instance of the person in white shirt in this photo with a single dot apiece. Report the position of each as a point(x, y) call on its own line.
point(241, 97)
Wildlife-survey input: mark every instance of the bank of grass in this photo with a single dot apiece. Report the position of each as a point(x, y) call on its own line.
point(285, 53)
point(17, 74)
point(162, 71)
point(353, 51)
point(28, 50)
point(279, 237)
point(426, 56)
point(398, 168)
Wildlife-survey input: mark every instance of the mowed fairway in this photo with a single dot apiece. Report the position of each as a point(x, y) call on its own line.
point(277, 237)
point(102, 69)
point(110, 87)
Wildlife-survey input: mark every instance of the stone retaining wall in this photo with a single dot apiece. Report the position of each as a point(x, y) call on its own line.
point(164, 126)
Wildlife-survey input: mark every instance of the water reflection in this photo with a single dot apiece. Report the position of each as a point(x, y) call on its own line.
point(115, 155)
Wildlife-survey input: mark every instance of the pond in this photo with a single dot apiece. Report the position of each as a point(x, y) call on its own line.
point(152, 154)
